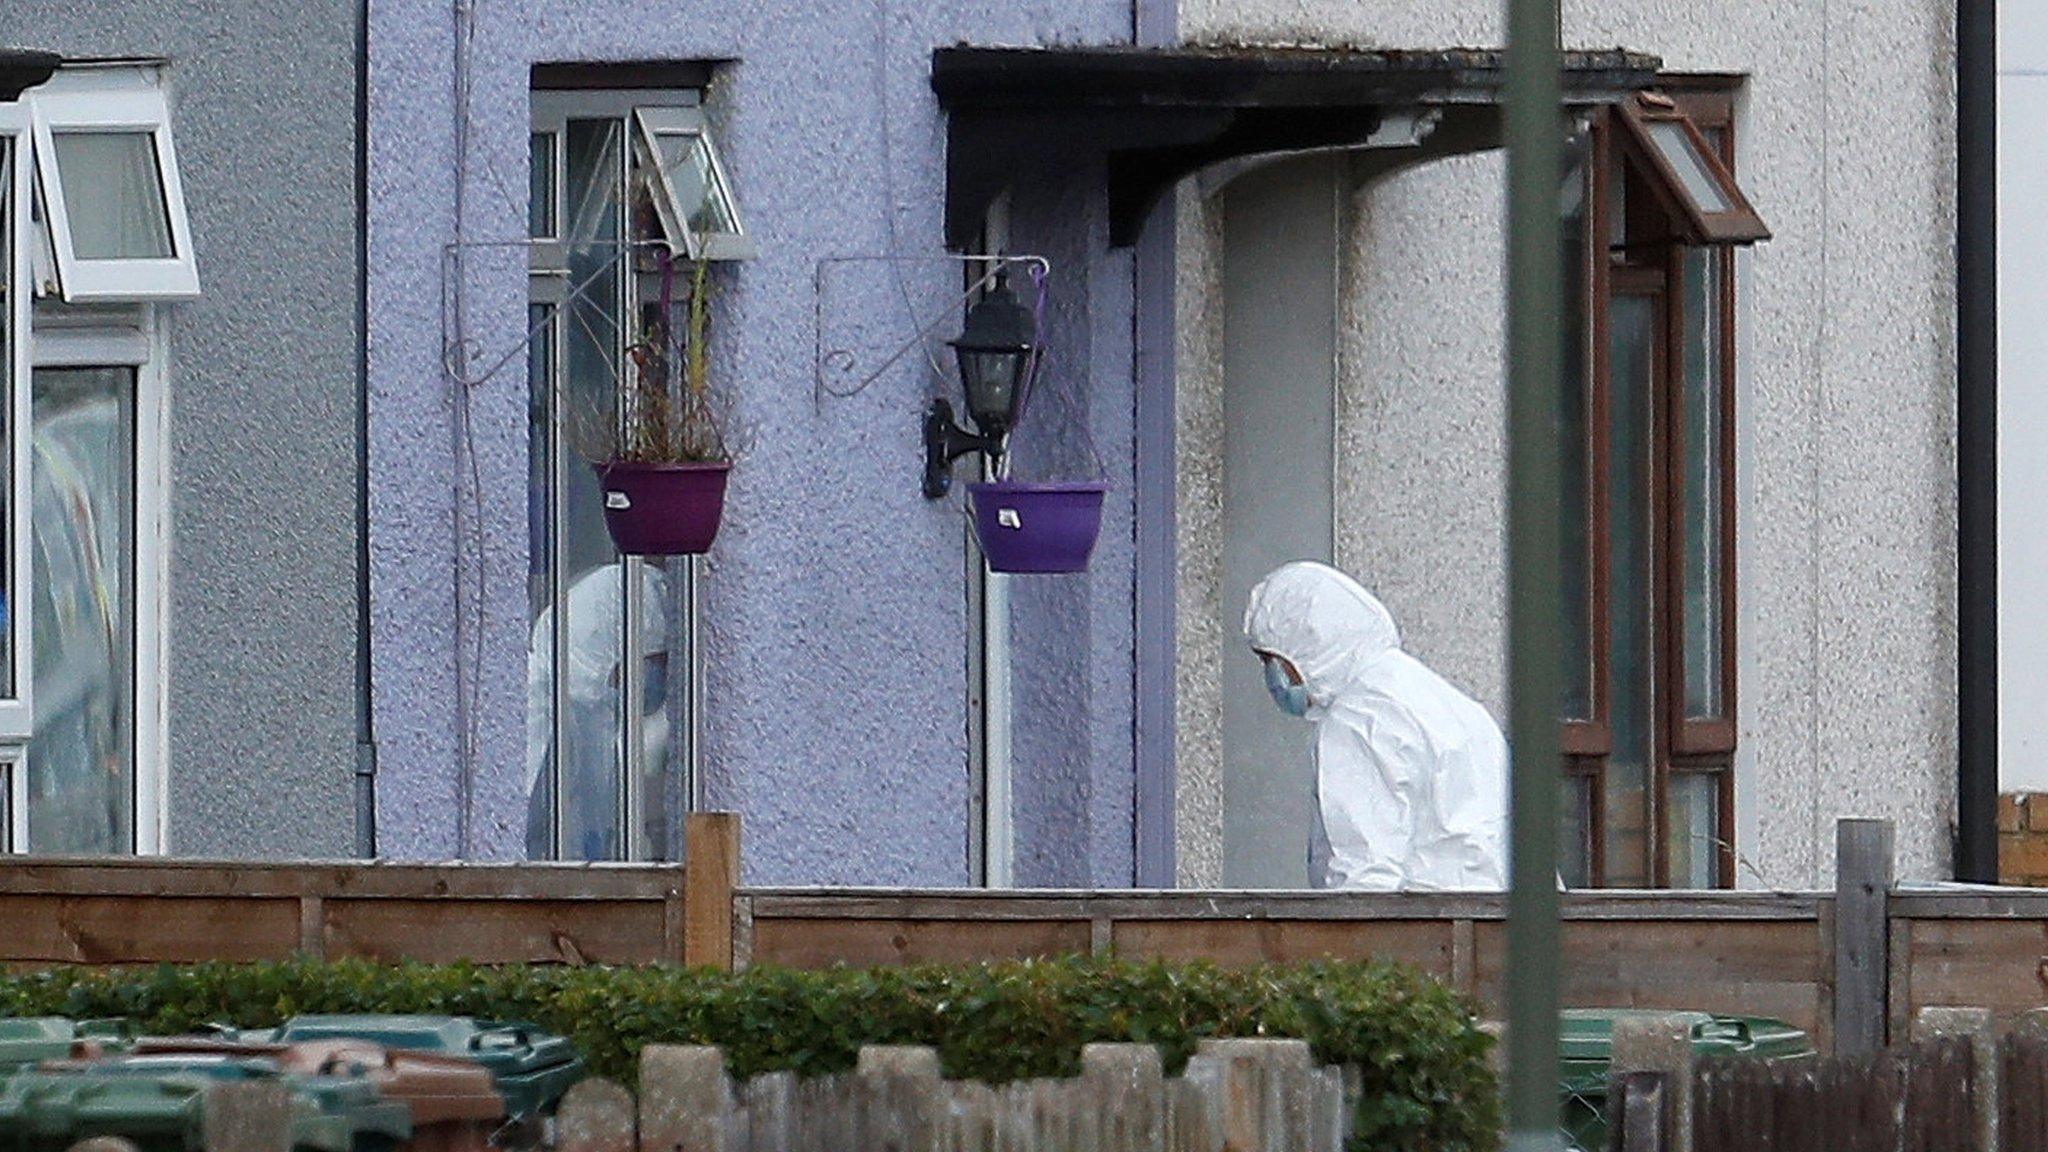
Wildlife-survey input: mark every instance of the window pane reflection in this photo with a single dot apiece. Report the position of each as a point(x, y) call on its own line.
point(1693, 829)
point(1632, 323)
point(114, 195)
point(81, 776)
point(1690, 166)
point(1702, 441)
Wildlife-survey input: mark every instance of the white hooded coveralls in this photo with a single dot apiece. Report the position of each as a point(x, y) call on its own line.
point(1411, 774)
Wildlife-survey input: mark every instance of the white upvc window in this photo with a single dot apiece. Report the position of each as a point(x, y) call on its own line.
point(613, 701)
point(16, 715)
point(92, 771)
point(112, 200)
point(687, 182)
point(92, 231)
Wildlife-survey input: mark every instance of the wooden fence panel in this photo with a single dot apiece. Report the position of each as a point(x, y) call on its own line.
point(597, 931)
point(2023, 1094)
point(1427, 944)
point(1922, 1098)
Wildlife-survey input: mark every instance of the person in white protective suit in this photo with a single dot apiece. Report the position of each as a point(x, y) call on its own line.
point(593, 737)
point(1411, 774)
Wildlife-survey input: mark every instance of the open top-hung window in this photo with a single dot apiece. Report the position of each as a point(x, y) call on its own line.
point(1650, 727)
point(111, 201)
point(687, 184)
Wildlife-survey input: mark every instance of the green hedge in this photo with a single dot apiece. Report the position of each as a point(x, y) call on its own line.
point(1427, 1083)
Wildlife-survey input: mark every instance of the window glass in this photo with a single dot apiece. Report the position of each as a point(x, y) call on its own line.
point(541, 208)
point(1575, 843)
point(1702, 444)
point(1692, 829)
point(1632, 322)
point(1576, 495)
point(1690, 166)
point(608, 700)
point(114, 195)
point(686, 158)
point(81, 760)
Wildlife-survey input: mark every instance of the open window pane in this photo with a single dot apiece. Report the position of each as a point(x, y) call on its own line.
point(81, 773)
point(114, 196)
point(1689, 162)
point(111, 195)
point(1702, 195)
point(692, 198)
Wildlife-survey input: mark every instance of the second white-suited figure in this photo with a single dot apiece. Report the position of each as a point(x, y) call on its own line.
point(1411, 773)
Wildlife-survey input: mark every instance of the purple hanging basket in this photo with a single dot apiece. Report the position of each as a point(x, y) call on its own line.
point(1026, 527)
point(663, 509)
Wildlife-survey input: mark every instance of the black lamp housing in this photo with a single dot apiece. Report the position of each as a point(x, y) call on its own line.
point(994, 351)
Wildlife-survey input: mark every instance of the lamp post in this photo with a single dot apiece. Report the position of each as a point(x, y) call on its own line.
point(1535, 551)
point(995, 351)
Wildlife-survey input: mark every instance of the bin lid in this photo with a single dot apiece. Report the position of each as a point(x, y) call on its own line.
point(436, 1088)
point(531, 1067)
point(1586, 1040)
point(351, 1106)
point(34, 1039)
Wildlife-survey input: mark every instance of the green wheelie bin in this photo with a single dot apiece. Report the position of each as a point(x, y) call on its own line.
point(529, 1067)
point(1586, 1050)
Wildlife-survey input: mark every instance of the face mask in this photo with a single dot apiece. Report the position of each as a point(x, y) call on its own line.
point(1291, 697)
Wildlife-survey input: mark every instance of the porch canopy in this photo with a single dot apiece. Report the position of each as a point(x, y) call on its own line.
point(1150, 116)
point(22, 69)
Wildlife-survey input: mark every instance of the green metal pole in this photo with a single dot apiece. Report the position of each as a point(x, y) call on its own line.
point(1535, 127)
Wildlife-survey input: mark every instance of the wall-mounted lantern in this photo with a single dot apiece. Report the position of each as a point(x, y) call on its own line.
point(995, 352)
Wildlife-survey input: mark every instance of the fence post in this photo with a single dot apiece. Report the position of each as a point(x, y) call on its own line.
point(1272, 1096)
point(1973, 1024)
point(1660, 1044)
point(711, 870)
point(686, 1101)
point(596, 1115)
point(253, 1116)
point(897, 1089)
point(1863, 882)
point(1128, 1086)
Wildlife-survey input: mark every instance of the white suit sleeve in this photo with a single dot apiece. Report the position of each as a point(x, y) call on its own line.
point(1368, 770)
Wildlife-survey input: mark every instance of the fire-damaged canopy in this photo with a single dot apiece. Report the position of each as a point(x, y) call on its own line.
point(1152, 116)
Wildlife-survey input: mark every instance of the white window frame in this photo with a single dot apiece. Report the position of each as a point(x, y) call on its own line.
point(649, 124)
point(125, 99)
point(17, 712)
point(550, 113)
point(125, 338)
point(17, 715)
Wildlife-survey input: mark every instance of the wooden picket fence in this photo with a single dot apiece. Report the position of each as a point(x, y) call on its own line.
point(1235, 1096)
point(1957, 1086)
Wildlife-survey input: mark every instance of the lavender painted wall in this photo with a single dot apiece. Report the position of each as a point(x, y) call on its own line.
point(836, 616)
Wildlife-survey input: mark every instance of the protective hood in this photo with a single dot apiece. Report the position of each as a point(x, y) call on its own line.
point(1324, 623)
point(1411, 773)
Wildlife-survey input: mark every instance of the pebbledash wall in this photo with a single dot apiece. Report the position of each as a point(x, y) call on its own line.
point(1845, 401)
point(259, 542)
point(835, 608)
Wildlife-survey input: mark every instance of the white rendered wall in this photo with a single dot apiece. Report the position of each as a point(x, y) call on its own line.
point(1845, 406)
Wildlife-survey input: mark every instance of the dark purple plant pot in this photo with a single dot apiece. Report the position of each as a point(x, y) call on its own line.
point(663, 509)
point(1025, 527)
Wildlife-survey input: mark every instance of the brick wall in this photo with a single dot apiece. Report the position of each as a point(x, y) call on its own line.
point(2023, 839)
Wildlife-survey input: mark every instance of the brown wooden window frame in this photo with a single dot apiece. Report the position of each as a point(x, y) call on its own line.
point(1661, 231)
